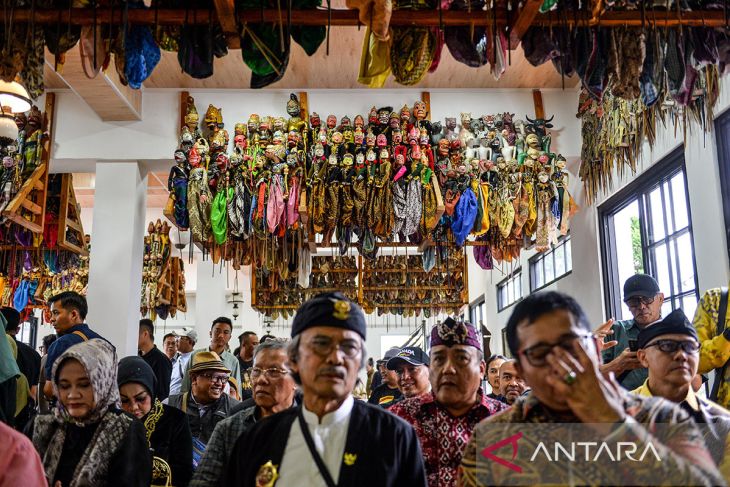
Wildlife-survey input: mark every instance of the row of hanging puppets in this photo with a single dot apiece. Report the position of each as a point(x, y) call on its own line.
point(391, 176)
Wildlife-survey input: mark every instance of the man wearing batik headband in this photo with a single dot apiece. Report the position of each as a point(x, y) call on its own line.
point(330, 439)
point(445, 417)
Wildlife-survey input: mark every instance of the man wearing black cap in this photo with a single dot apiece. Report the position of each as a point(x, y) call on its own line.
point(642, 296)
point(330, 439)
point(387, 393)
point(411, 367)
point(670, 350)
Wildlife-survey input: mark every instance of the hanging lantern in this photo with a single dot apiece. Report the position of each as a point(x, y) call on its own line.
point(15, 96)
point(8, 129)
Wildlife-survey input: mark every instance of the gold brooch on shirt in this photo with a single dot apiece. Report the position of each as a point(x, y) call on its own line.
point(350, 459)
point(267, 475)
point(342, 309)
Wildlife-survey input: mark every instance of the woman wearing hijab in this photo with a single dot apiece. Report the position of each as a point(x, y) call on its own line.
point(87, 440)
point(167, 427)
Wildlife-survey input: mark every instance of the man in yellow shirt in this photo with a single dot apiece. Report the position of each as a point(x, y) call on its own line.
point(714, 342)
point(670, 350)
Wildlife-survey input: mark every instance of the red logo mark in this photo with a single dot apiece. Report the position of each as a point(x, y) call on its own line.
point(487, 452)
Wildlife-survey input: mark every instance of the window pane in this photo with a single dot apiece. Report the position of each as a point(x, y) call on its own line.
point(667, 306)
point(627, 233)
point(689, 305)
point(510, 293)
point(538, 273)
point(673, 266)
point(518, 279)
point(569, 255)
point(686, 266)
point(657, 216)
point(560, 260)
point(667, 208)
point(549, 268)
point(662, 269)
point(681, 218)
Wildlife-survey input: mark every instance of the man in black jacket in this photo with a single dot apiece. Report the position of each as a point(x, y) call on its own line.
point(331, 439)
point(161, 365)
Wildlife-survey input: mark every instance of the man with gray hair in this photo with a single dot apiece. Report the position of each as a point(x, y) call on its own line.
point(330, 439)
point(273, 391)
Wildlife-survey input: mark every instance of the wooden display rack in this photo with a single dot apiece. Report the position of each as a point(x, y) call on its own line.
point(362, 269)
point(69, 218)
point(28, 207)
point(171, 285)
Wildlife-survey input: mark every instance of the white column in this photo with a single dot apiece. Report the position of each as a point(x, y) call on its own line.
point(117, 246)
point(210, 299)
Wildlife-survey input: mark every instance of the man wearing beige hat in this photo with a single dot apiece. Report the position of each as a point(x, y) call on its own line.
point(206, 403)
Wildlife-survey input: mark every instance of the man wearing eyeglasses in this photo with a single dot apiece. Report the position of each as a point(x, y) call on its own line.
point(642, 296)
point(205, 404)
point(273, 391)
point(330, 439)
point(550, 337)
point(670, 350)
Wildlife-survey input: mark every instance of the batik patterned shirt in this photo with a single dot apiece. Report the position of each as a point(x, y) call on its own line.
point(679, 444)
point(443, 436)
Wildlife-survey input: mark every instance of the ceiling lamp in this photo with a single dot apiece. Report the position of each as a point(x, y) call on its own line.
point(15, 96)
point(8, 129)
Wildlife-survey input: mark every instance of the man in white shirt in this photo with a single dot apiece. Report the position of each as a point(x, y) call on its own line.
point(331, 439)
point(185, 348)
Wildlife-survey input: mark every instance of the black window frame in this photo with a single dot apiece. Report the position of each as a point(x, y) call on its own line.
point(722, 134)
point(475, 305)
point(541, 256)
point(662, 171)
point(515, 274)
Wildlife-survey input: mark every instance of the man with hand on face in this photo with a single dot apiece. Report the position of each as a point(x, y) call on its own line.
point(411, 367)
point(220, 335)
point(642, 296)
point(445, 417)
point(273, 391)
point(387, 393)
point(670, 350)
point(511, 383)
point(206, 404)
point(330, 439)
point(550, 337)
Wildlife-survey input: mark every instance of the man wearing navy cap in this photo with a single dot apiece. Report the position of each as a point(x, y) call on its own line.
point(411, 368)
point(330, 439)
point(670, 350)
point(642, 296)
point(445, 417)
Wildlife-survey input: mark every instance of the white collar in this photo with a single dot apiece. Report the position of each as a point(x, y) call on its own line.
point(337, 416)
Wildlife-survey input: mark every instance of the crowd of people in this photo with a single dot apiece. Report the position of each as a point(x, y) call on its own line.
point(295, 412)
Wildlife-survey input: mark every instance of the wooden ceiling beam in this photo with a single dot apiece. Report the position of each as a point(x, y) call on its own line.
point(525, 18)
point(226, 13)
point(105, 94)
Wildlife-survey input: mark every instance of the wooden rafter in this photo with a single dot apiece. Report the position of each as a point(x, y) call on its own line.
point(349, 17)
point(227, 16)
point(524, 20)
point(28, 207)
point(69, 219)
